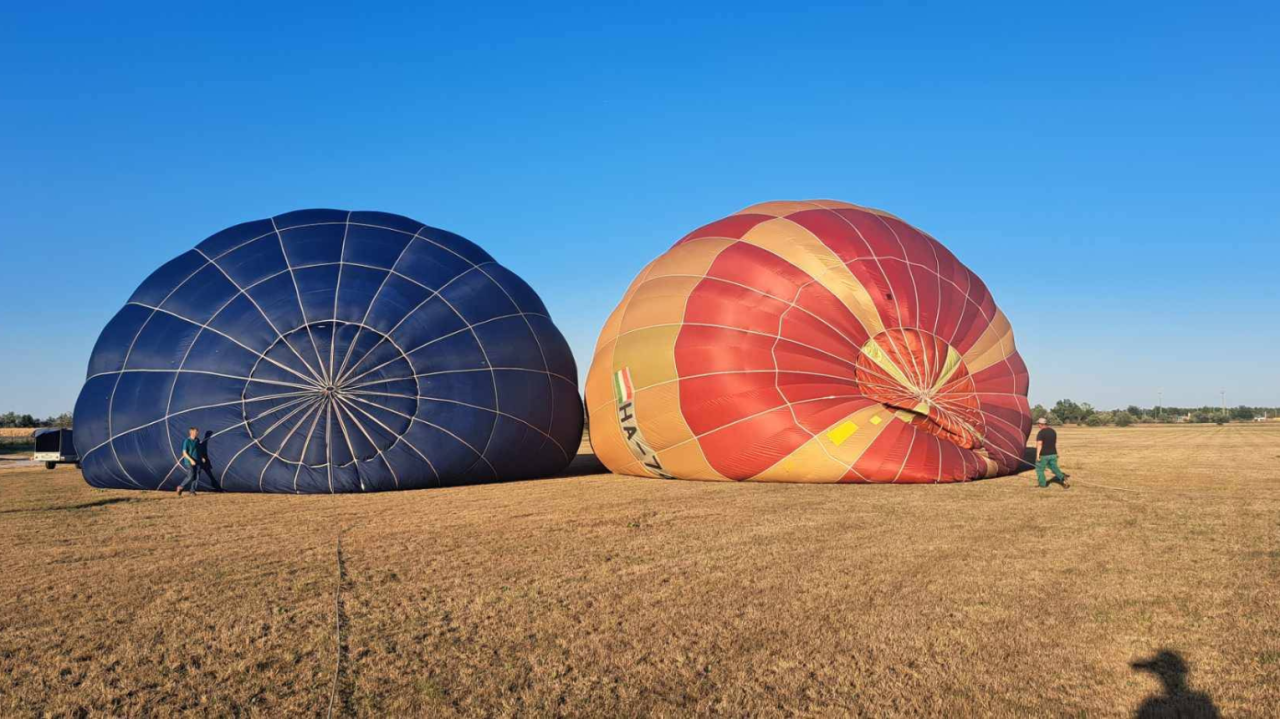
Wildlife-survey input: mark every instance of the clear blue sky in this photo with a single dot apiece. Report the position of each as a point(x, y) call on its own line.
point(1110, 170)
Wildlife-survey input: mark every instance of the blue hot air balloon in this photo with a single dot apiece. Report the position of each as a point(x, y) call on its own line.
point(330, 351)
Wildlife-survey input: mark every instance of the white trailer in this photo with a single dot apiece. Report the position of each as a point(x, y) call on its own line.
point(55, 447)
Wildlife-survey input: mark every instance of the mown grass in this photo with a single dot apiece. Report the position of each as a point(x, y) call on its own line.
point(597, 595)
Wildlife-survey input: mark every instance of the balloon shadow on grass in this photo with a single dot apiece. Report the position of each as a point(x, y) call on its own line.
point(1176, 699)
point(584, 464)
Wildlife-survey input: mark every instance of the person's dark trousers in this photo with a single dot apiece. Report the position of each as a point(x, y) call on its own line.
point(193, 476)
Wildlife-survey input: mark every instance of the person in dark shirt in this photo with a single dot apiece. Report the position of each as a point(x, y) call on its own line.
point(1047, 455)
point(193, 460)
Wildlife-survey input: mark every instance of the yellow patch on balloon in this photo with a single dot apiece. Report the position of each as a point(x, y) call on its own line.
point(842, 432)
point(876, 420)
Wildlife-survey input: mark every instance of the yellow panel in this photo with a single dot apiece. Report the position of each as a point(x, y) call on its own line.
point(612, 326)
point(842, 432)
point(687, 461)
point(634, 468)
point(661, 300)
point(802, 248)
point(690, 258)
point(992, 468)
point(852, 449)
point(599, 391)
point(649, 353)
point(876, 353)
point(606, 439)
point(949, 367)
point(821, 458)
point(995, 344)
point(659, 417)
point(809, 463)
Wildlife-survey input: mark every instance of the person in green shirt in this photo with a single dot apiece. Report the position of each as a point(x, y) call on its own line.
point(194, 460)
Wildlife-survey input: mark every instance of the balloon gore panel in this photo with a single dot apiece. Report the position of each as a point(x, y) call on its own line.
point(330, 351)
point(808, 342)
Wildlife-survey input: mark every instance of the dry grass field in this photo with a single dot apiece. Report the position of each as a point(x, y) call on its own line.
point(11, 432)
point(16, 440)
point(597, 595)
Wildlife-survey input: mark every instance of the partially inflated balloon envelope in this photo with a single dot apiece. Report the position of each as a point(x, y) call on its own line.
point(330, 351)
point(808, 342)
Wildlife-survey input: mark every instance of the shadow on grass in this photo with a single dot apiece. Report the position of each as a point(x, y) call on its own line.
point(73, 507)
point(582, 465)
point(1177, 698)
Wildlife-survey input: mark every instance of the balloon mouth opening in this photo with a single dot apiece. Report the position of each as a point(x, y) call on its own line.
point(953, 430)
point(925, 382)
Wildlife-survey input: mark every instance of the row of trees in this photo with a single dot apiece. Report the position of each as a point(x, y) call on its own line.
point(1066, 411)
point(13, 419)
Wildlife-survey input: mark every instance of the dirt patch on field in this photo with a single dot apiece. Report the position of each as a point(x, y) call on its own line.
point(605, 596)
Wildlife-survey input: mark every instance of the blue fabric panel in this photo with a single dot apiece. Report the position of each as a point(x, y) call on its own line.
point(277, 298)
point(241, 320)
point(456, 351)
point(113, 344)
point(432, 320)
point(201, 295)
point(455, 244)
point(94, 398)
point(212, 352)
point(478, 299)
point(233, 237)
point(314, 245)
point(554, 348)
point(386, 221)
point(430, 265)
point(157, 287)
point(139, 398)
point(299, 218)
point(161, 342)
point(509, 342)
point(356, 290)
point(316, 287)
point(520, 292)
point(375, 246)
point(253, 262)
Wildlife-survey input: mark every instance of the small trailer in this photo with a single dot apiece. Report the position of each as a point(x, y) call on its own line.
point(55, 447)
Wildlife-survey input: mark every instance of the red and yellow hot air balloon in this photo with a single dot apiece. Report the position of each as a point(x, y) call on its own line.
point(808, 342)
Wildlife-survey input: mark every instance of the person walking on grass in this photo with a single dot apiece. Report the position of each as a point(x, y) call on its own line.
point(1047, 456)
point(193, 460)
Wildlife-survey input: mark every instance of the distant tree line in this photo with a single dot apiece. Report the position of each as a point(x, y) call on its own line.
point(1066, 411)
point(13, 419)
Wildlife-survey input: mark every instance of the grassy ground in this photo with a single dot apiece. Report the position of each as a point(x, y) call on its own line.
point(607, 596)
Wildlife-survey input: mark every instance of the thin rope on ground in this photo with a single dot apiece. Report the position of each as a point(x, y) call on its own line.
point(337, 626)
point(1103, 486)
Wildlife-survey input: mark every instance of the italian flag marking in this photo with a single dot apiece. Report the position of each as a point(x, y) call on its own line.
point(622, 387)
